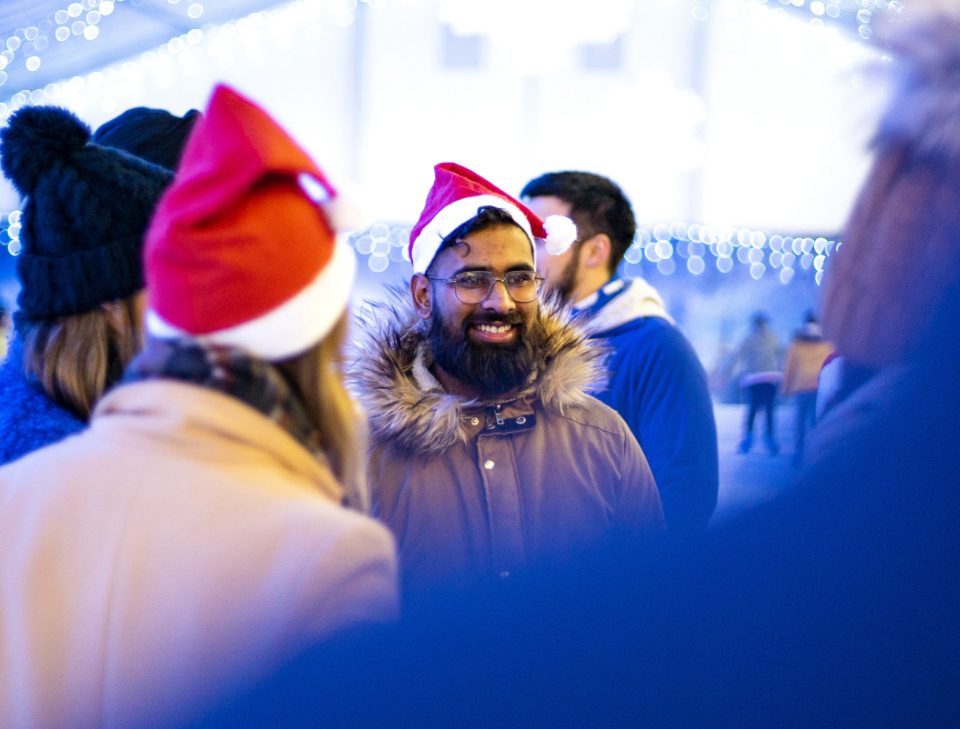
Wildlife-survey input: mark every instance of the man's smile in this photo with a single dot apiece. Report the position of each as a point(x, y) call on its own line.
point(493, 332)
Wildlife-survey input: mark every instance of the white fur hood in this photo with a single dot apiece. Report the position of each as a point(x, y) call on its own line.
point(413, 412)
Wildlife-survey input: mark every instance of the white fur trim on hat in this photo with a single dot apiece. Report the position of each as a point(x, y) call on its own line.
point(292, 327)
point(451, 217)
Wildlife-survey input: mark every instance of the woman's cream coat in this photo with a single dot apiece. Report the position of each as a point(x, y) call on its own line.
point(175, 551)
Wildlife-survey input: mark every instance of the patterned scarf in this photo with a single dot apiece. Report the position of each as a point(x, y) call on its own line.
point(254, 382)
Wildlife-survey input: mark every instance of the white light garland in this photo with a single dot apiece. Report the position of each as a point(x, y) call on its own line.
point(30, 42)
point(826, 11)
point(759, 252)
point(83, 18)
point(670, 248)
point(180, 55)
point(690, 247)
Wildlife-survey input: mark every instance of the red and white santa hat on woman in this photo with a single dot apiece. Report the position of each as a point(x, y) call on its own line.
point(456, 197)
point(242, 249)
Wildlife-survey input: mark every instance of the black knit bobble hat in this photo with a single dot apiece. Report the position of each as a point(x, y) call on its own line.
point(85, 213)
point(155, 135)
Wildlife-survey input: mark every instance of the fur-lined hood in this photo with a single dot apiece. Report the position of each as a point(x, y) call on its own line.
point(924, 109)
point(407, 406)
point(898, 271)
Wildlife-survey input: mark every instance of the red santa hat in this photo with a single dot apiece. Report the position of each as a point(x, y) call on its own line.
point(456, 197)
point(242, 248)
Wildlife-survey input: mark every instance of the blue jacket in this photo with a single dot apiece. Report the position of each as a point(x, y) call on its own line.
point(29, 418)
point(659, 387)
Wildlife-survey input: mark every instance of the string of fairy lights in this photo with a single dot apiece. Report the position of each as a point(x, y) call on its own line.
point(692, 248)
point(822, 12)
point(84, 19)
point(674, 249)
point(28, 44)
point(180, 56)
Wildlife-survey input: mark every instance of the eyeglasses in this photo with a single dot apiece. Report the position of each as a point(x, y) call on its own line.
point(472, 287)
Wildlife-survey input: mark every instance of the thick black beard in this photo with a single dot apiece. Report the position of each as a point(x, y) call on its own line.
point(490, 369)
point(567, 283)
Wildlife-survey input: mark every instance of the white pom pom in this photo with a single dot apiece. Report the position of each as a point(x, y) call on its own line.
point(344, 216)
point(342, 213)
point(561, 233)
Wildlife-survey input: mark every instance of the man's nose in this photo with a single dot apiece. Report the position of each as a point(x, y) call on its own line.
point(499, 298)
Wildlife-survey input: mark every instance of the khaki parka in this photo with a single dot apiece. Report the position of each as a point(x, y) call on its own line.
point(477, 489)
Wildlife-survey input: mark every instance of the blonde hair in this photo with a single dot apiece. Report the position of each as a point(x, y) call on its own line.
point(77, 357)
point(316, 377)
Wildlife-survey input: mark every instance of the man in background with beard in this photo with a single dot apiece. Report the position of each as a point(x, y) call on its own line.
point(487, 451)
point(657, 383)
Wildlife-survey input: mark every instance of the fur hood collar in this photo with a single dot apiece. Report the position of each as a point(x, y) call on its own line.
point(406, 405)
point(925, 107)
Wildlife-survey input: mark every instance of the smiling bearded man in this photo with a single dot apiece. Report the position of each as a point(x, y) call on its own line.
point(490, 350)
point(487, 451)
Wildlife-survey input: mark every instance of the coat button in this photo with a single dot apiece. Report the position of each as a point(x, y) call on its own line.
point(504, 574)
point(488, 464)
point(521, 420)
point(475, 421)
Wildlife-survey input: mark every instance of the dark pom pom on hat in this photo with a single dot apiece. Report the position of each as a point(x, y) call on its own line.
point(35, 139)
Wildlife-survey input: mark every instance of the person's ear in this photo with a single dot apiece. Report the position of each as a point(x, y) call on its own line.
point(124, 313)
point(422, 294)
point(118, 317)
point(595, 251)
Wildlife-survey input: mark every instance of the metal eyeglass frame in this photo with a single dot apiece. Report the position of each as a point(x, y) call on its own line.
point(537, 280)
